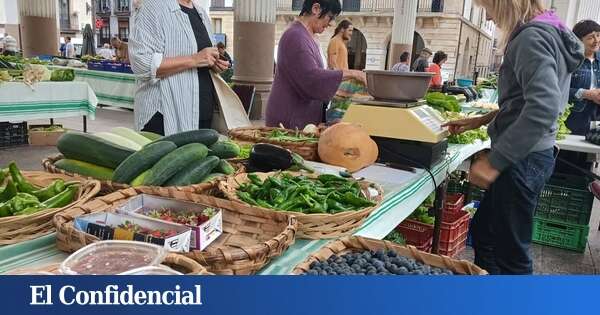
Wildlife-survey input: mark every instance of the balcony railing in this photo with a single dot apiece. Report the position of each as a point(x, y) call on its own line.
point(103, 6)
point(122, 6)
point(431, 6)
point(347, 5)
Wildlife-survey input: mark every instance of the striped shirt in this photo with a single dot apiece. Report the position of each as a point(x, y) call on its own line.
point(161, 30)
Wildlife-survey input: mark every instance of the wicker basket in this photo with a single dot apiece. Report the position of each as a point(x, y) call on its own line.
point(314, 226)
point(308, 150)
point(354, 243)
point(174, 261)
point(110, 186)
point(16, 229)
point(251, 236)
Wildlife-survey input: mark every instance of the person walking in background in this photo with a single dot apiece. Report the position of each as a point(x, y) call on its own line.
point(422, 63)
point(403, 65)
point(69, 48)
point(302, 86)
point(224, 55)
point(337, 52)
point(439, 59)
point(540, 54)
point(106, 52)
point(122, 49)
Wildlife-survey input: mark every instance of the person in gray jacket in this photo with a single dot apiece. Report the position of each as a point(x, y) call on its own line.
point(539, 57)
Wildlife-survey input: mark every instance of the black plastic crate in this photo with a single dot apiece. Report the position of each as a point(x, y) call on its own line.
point(566, 198)
point(13, 134)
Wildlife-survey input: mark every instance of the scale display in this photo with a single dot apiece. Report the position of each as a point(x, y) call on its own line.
point(420, 123)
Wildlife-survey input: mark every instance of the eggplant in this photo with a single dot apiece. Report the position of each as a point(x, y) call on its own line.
point(267, 158)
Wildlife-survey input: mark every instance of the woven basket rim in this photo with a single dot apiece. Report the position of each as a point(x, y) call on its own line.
point(349, 243)
point(241, 134)
point(64, 223)
point(229, 190)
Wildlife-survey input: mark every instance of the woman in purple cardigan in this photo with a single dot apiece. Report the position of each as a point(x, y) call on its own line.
point(302, 85)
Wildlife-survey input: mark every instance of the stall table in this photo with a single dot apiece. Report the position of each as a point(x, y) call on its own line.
point(47, 100)
point(404, 192)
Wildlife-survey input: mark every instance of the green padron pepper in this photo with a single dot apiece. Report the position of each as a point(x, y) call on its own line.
point(23, 201)
point(326, 178)
point(5, 210)
point(22, 184)
point(359, 202)
point(9, 191)
point(62, 199)
point(50, 191)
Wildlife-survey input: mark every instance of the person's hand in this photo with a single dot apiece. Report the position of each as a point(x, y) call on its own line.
point(206, 58)
point(482, 173)
point(220, 66)
point(592, 95)
point(463, 125)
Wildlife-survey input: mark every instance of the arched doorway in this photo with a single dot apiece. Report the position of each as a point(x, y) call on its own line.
point(418, 45)
point(357, 51)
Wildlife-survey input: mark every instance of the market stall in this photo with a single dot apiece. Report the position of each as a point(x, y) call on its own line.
point(46, 100)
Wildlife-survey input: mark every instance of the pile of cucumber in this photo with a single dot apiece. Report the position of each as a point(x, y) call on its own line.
point(145, 159)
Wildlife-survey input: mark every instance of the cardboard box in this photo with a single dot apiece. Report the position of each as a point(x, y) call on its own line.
point(202, 235)
point(44, 138)
point(105, 226)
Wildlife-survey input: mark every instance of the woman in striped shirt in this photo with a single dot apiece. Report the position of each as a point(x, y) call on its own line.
point(172, 54)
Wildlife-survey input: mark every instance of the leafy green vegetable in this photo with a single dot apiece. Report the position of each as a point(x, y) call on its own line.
point(443, 102)
point(422, 215)
point(469, 137)
point(563, 131)
point(291, 136)
point(396, 237)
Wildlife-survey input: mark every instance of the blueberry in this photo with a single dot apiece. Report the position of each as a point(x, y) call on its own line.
point(388, 265)
point(322, 273)
point(314, 264)
point(378, 264)
point(366, 255)
point(356, 267)
point(339, 261)
point(379, 254)
point(312, 273)
point(371, 273)
point(392, 254)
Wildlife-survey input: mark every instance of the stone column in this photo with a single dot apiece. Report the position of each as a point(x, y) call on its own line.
point(39, 27)
point(403, 29)
point(254, 44)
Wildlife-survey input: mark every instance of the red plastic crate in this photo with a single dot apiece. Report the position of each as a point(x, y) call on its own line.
point(454, 248)
point(454, 226)
point(454, 202)
point(417, 234)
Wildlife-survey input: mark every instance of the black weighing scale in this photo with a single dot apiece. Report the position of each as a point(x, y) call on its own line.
point(407, 133)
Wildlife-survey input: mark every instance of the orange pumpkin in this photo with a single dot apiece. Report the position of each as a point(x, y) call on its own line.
point(349, 146)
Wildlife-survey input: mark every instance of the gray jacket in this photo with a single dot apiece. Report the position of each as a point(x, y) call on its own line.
point(533, 91)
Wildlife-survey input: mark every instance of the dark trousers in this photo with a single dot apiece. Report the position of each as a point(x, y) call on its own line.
point(157, 125)
point(503, 225)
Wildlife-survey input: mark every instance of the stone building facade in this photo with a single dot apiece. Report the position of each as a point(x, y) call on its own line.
point(457, 27)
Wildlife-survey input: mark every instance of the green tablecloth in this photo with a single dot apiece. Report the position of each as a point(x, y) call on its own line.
point(19, 102)
point(111, 88)
point(404, 192)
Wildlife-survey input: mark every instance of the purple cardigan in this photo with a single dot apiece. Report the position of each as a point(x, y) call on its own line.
point(301, 84)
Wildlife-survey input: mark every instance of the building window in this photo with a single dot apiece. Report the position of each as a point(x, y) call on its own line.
point(103, 6)
point(217, 25)
point(65, 14)
point(122, 5)
point(351, 5)
point(105, 32)
point(124, 30)
point(297, 5)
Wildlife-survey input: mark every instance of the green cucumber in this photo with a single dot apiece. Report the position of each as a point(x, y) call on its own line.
point(207, 137)
point(225, 168)
point(174, 162)
point(194, 173)
point(118, 140)
point(130, 135)
point(139, 181)
point(150, 135)
point(225, 149)
point(88, 148)
point(212, 176)
point(85, 169)
point(142, 161)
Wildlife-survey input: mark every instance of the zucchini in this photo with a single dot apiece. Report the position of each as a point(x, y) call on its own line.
point(118, 140)
point(212, 176)
point(130, 135)
point(142, 161)
point(224, 167)
point(85, 169)
point(88, 148)
point(207, 137)
point(174, 162)
point(225, 149)
point(139, 181)
point(150, 135)
point(194, 173)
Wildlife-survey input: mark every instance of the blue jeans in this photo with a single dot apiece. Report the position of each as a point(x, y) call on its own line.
point(503, 225)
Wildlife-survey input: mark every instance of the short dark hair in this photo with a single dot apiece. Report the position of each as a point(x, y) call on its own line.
point(327, 6)
point(68, 38)
point(220, 45)
point(585, 27)
point(343, 25)
point(439, 57)
point(404, 57)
